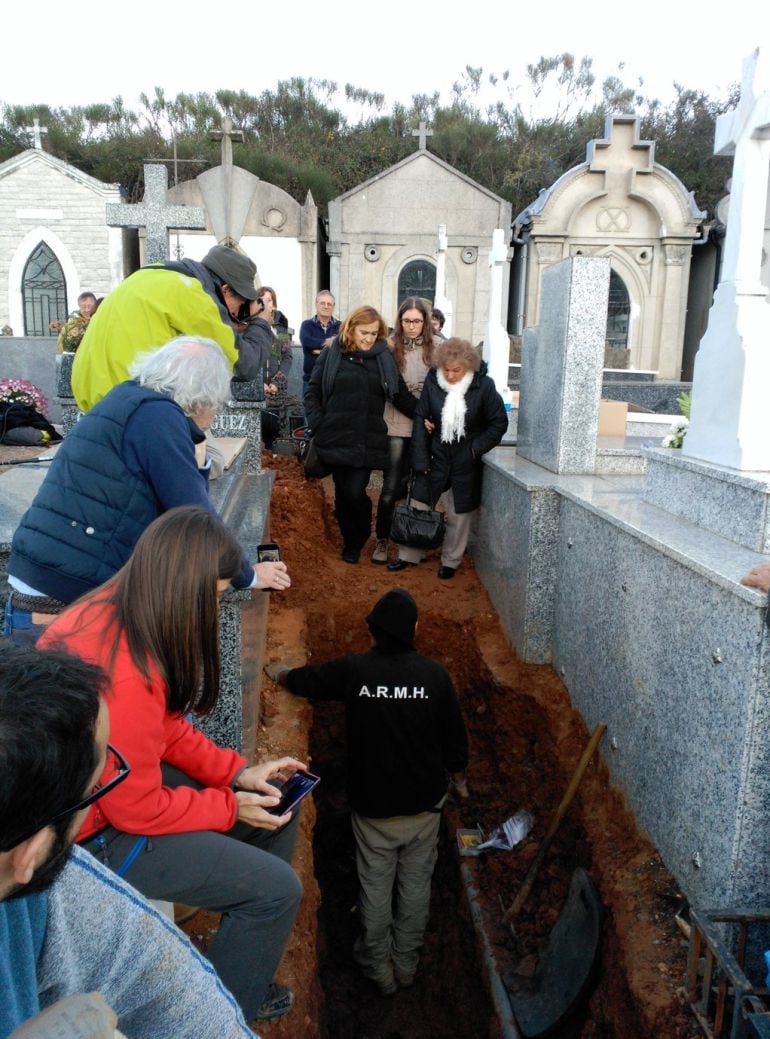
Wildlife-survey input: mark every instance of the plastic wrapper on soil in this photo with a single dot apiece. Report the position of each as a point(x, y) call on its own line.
point(507, 835)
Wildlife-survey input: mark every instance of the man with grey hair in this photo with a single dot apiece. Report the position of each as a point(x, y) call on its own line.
point(130, 458)
point(314, 332)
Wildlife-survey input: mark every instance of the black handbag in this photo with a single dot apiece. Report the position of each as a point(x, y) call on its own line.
point(314, 468)
point(416, 528)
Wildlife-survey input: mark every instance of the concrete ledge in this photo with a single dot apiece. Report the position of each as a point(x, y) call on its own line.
point(725, 501)
point(644, 617)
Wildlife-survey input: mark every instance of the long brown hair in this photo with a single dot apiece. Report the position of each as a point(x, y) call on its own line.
point(165, 602)
point(398, 339)
point(360, 316)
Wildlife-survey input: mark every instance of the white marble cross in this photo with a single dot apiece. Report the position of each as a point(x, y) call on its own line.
point(423, 133)
point(155, 214)
point(496, 343)
point(37, 130)
point(440, 299)
point(745, 133)
point(729, 417)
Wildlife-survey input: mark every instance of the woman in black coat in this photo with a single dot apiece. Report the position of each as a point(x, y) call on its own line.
point(459, 417)
point(344, 404)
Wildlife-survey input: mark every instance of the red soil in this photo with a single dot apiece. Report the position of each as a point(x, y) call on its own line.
point(525, 741)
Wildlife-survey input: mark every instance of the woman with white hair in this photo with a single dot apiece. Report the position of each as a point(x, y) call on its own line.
point(137, 453)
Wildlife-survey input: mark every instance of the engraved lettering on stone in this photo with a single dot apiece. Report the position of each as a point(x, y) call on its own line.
point(230, 422)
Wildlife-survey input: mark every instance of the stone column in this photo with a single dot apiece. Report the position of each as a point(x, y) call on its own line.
point(561, 367)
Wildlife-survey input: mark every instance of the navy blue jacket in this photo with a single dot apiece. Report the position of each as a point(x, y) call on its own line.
point(313, 335)
point(130, 458)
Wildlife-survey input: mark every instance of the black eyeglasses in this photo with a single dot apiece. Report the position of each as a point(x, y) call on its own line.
point(123, 769)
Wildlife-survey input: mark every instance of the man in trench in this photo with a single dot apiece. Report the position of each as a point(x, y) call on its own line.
point(406, 738)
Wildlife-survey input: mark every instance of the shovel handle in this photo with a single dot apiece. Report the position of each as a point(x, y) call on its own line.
point(515, 907)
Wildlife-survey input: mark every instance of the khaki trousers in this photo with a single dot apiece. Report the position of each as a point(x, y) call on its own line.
point(458, 528)
point(400, 850)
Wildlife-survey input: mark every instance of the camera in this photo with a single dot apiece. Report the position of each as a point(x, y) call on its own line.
point(245, 312)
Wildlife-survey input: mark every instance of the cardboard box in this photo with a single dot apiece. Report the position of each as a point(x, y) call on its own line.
point(612, 418)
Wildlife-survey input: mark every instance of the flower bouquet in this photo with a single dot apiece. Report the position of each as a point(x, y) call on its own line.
point(72, 333)
point(22, 391)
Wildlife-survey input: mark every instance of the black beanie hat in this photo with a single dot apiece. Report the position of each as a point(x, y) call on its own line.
point(395, 614)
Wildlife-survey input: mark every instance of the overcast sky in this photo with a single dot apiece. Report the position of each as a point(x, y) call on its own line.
point(63, 53)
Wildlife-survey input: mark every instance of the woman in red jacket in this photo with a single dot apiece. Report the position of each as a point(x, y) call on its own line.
point(191, 823)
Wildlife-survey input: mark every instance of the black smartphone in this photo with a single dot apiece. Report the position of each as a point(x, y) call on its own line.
point(293, 790)
point(268, 553)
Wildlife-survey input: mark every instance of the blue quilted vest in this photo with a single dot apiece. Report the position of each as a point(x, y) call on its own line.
point(91, 508)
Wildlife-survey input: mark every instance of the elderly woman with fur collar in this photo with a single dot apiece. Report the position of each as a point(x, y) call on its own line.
point(460, 416)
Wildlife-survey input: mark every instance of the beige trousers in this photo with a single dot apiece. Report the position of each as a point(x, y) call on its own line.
point(458, 528)
point(400, 851)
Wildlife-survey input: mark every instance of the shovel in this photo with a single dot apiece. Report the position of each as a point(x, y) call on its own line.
point(515, 907)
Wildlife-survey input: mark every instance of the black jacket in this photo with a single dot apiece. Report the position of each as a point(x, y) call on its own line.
point(405, 731)
point(345, 401)
point(457, 464)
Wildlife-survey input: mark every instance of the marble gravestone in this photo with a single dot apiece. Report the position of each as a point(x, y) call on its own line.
point(631, 586)
point(721, 477)
point(561, 370)
point(155, 214)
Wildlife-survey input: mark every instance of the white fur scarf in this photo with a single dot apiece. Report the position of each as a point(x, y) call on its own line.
point(453, 411)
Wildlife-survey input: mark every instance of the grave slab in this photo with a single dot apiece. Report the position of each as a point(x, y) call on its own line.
point(644, 617)
point(561, 375)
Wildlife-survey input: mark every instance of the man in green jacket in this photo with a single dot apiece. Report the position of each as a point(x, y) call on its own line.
point(214, 299)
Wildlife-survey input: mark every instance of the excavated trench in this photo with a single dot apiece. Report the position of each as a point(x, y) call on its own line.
point(525, 740)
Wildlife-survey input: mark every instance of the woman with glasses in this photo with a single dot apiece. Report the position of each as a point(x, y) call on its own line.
point(192, 822)
point(412, 347)
point(352, 380)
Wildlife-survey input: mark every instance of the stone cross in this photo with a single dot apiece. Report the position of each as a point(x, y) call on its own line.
point(730, 420)
point(227, 135)
point(37, 130)
point(496, 343)
point(423, 133)
point(745, 133)
point(155, 214)
point(441, 300)
point(227, 235)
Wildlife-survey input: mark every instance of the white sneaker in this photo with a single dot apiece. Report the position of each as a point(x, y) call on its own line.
point(380, 554)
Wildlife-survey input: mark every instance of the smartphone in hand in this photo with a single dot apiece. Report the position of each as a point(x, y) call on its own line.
point(268, 553)
point(293, 790)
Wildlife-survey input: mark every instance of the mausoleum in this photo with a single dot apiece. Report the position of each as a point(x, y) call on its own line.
point(622, 204)
point(383, 237)
point(54, 240)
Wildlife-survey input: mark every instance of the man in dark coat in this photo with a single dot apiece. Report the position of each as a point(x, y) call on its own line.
point(406, 737)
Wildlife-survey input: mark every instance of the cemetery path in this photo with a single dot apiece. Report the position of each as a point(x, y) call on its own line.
point(525, 742)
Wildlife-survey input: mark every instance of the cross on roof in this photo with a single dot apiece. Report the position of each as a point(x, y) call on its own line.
point(155, 214)
point(227, 135)
point(423, 133)
point(37, 130)
point(745, 133)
